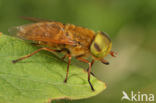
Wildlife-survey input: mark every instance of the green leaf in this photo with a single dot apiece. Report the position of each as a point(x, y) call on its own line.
point(39, 78)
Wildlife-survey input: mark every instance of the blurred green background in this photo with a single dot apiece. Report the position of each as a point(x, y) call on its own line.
point(130, 23)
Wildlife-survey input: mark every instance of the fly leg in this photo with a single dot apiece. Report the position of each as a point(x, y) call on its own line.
point(29, 55)
point(89, 70)
point(69, 61)
point(91, 65)
point(104, 61)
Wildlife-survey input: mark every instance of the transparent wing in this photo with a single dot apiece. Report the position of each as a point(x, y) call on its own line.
point(47, 32)
point(32, 19)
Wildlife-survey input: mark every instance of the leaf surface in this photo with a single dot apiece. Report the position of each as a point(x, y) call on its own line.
point(39, 78)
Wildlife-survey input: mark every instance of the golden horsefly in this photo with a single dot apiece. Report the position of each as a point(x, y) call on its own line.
point(68, 39)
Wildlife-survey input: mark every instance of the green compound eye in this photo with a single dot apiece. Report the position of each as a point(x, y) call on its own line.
point(101, 45)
